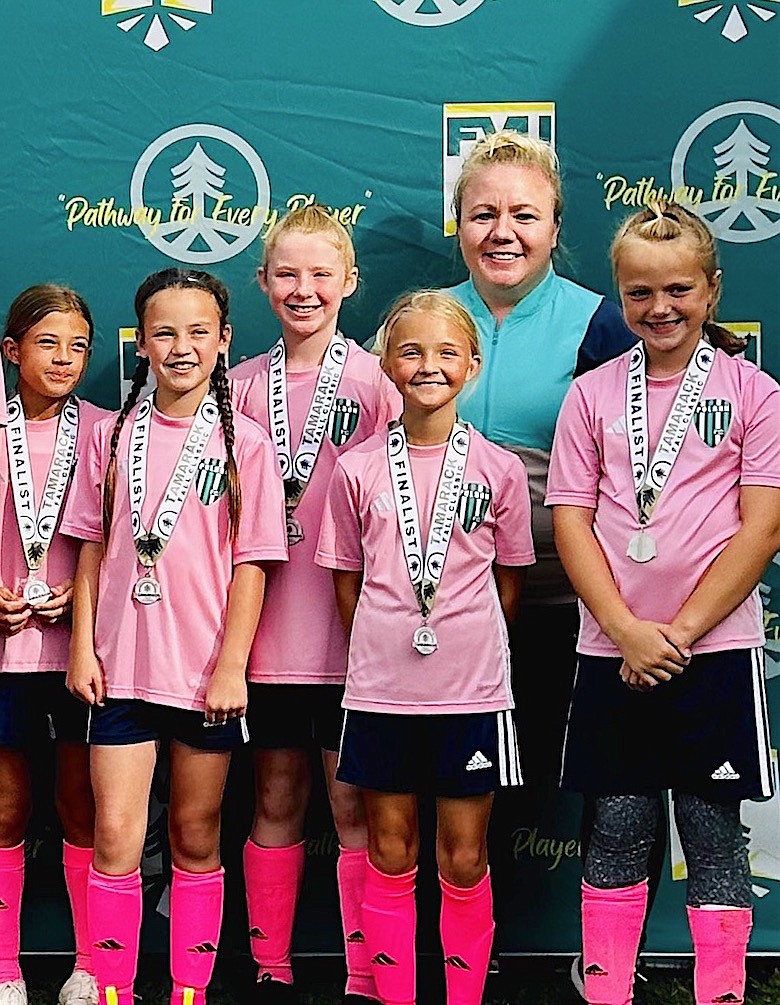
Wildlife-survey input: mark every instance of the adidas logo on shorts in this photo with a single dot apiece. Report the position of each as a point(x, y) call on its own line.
point(725, 773)
point(478, 762)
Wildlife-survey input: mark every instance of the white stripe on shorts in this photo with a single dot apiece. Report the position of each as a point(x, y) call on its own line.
point(568, 723)
point(508, 753)
point(89, 723)
point(762, 721)
point(341, 738)
point(244, 729)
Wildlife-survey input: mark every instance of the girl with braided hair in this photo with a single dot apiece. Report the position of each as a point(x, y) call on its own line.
point(168, 591)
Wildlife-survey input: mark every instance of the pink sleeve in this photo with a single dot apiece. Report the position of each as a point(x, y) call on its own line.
point(761, 438)
point(575, 468)
point(514, 544)
point(3, 409)
point(339, 546)
point(82, 517)
point(262, 532)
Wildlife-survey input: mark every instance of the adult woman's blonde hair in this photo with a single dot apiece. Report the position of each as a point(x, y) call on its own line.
point(314, 219)
point(662, 220)
point(434, 303)
point(510, 147)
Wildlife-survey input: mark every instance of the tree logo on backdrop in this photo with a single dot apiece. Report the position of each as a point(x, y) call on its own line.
point(466, 124)
point(429, 13)
point(156, 36)
point(725, 157)
point(217, 187)
point(733, 19)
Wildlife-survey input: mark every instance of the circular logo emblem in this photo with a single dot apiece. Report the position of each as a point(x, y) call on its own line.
point(726, 155)
point(217, 189)
point(419, 12)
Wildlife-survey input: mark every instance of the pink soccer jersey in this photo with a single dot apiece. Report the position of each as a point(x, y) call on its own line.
point(3, 407)
point(166, 652)
point(733, 440)
point(469, 672)
point(301, 639)
point(39, 646)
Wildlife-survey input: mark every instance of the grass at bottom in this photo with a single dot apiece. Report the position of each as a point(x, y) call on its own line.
point(526, 981)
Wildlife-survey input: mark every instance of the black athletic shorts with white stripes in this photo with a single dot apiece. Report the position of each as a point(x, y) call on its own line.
point(444, 755)
point(704, 732)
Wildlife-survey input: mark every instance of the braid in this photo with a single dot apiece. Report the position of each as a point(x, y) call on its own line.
point(221, 390)
point(139, 381)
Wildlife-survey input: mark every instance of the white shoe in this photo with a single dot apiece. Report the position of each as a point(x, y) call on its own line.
point(13, 993)
point(79, 989)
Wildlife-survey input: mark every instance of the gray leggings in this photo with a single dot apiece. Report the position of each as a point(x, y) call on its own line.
point(712, 838)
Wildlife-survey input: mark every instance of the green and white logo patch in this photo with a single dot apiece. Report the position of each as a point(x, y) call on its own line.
point(343, 420)
point(211, 479)
point(712, 419)
point(473, 505)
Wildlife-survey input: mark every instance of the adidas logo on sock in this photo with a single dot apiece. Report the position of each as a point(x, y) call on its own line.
point(478, 762)
point(458, 962)
point(203, 947)
point(728, 997)
point(725, 773)
point(108, 944)
point(258, 933)
point(356, 936)
point(383, 960)
point(594, 970)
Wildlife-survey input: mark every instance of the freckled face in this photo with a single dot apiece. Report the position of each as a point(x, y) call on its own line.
point(52, 355)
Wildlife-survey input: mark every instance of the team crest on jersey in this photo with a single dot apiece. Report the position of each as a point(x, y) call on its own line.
point(712, 419)
point(473, 505)
point(343, 420)
point(211, 479)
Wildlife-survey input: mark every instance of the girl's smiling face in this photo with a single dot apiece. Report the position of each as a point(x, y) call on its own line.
point(666, 297)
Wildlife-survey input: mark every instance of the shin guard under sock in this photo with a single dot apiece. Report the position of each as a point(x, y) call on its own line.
point(390, 925)
point(720, 939)
point(611, 927)
point(196, 919)
point(351, 876)
point(11, 884)
point(273, 878)
point(467, 928)
point(76, 862)
point(114, 907)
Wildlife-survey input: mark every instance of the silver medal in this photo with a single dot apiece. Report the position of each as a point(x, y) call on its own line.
point(424, 641)
point(641, 547)
point(36, 592)
point(147, 591)
point(294, 531)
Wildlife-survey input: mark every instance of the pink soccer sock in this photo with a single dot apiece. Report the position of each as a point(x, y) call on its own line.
point(390, 924)
point(196, 918)
point(467, 928)
point(11, 883)
point(76, 862)
point(273, 878)
point(720, 939)
point(351, 876)
point(114, 907)
point(611, 928)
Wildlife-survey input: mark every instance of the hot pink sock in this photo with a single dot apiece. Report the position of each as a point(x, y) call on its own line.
point(196, 918)
point(11, 883)
point(467, 928)
point(611, 928)
point(273, 878)
point(351, 876)
point(114, 909)
point(76, 862)
point(390, 925)
point(720, 939)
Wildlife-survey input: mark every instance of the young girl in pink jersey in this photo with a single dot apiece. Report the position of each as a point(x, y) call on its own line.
point(317, 394)
point(167, 597)
point(426, 526)
point(48, 335)
point(665, 483)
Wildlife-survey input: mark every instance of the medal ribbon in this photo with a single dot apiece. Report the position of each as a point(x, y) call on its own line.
point(297, 470)
point(36, 528)
point(150, 546)
point(425, 570)
point(650, 476)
